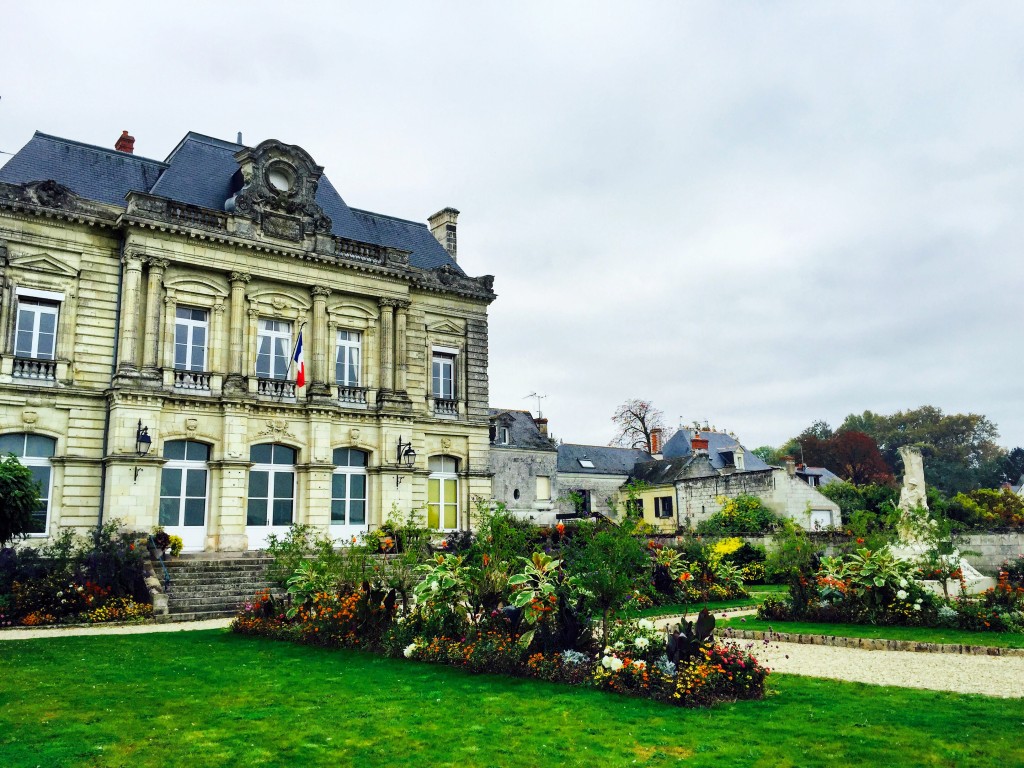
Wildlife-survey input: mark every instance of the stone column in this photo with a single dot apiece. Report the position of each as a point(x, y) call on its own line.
point(320, 341)
point(131, 282)
point(387, 344)
point(153, 307)
point(251, 335)
point(170, 310)
point(401, 345)
point(215, 360)
point(235, 332)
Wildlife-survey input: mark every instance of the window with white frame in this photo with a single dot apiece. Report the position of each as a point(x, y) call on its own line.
point(183, 484)
point(348, 358)
point(663, 506)
point(191, 331)
point(443, 493)
point(34, 452)
point(443, 375)
point(271, 485)
point(273, 348)
point(348, 487)
point(35, 336)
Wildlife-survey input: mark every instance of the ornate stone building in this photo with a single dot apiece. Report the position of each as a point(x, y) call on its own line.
point(150, 314)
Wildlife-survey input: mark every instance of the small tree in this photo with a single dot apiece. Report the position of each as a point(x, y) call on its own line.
point(635, 422)
point(19, 499)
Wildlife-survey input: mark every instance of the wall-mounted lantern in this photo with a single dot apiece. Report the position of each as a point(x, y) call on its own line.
point(143, 442)
point(405, 456)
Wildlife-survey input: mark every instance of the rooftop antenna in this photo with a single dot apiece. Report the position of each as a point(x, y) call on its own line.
point(539, 398)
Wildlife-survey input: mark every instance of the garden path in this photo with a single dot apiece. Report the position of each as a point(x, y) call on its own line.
point(124, 629)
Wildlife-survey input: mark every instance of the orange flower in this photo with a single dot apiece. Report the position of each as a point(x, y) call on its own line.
point(560, 528)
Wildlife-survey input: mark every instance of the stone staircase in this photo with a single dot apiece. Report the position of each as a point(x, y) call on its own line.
point(204, 587)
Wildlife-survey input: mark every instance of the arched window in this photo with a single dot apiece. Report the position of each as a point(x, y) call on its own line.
point(183, 491)
point(348, 491)
point(271, 491)
point(443, 493)
point(34, 452)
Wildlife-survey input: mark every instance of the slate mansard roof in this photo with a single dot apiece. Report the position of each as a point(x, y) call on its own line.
point(606, 460)
point(719, 443)
point(199, 171)
point(523, 432)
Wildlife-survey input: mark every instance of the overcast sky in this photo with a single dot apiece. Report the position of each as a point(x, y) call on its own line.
point(754, 214)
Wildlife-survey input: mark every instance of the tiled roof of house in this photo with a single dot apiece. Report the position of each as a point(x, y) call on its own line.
point(606, 460)
point(719, 443)
point(199, 171)
point(825, 476)
point(523, 431)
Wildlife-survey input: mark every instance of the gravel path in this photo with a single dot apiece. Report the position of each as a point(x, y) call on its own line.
point(127, 629)
point(989, 675)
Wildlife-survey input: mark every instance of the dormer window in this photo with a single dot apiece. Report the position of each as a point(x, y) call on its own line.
point(503, 438)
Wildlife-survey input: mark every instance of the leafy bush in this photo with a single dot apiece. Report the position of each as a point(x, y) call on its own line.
point(742, 515)
point(987, 508)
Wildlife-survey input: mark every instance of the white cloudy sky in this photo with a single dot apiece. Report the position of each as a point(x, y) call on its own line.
point(754, 214)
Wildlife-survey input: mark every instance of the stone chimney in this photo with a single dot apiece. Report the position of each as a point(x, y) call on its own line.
point(790, 465)
point(125, 143)
point(698, 443)
point(542, 425)
point(656, 440)
point(442, 227)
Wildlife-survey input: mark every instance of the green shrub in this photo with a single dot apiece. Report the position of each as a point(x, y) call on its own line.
point(743, 515)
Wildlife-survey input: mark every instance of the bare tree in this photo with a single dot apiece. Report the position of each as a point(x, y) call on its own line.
point(635, 421)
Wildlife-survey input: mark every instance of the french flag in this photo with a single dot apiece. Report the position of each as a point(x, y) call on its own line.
point(300, 363)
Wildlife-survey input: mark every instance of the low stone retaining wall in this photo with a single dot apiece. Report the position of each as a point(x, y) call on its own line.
point(865, 643)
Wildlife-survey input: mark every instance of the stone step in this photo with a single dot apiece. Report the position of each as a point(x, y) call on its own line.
point(193, 616)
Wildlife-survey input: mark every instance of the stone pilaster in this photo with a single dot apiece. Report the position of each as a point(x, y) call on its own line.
point(235, 382)
point(131, 283)
point(387, 344)
point(153, 307)
point(170, 310)
point(401, 345)
point(318, 386)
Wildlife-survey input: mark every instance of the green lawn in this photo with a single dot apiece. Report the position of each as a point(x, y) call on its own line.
point(216, 699)
point(916, 634)
point(758, 592)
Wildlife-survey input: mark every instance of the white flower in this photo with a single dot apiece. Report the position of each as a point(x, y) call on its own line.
point(434, 586)
point(616, 664)
point(606, 662)
point(640, 664)
point(902, 594)
point(641, 642)
point(918, 601)
point(607, 650)
point(409, 650)
point(903, 583)
point(645, 624)
point(619, 646)
point(917, 606)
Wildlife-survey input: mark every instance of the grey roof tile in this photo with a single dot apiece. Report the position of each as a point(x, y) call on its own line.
point(718, 442)
point(606, 459)
point(523, 431)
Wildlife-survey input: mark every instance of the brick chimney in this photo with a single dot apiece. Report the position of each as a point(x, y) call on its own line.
point(656, 440)
point(125, 143)
point(790, 465)
point(442, 227)
point(542, 425)
point(698, 443)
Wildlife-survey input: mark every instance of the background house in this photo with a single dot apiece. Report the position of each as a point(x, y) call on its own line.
point(596, 474)
point(148, 315)
point(524, 465)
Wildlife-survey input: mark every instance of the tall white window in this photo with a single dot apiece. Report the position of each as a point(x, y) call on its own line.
point(273, 349)
point(443, 493)
point(34, 452)
point(348, 357)
point(443, 375)
point(183, 491)
point(543, 488)
point(36, 333)
point(348, 488)
point(191, 330)
point(271, 486)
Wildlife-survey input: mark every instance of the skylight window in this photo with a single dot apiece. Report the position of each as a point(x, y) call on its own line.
point(586, 463)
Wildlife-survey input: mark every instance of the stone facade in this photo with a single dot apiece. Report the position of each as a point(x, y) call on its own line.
point(116, 276)
point(523, 464)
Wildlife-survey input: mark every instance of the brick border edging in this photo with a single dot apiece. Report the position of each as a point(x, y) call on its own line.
point(865, 643)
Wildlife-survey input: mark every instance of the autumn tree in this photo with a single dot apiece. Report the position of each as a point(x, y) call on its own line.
point(855, 457)
point(635, 422)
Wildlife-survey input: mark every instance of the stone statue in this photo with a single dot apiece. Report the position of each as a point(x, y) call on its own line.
point(913, 494)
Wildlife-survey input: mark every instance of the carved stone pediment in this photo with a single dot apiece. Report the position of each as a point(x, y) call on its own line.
point(278, 190)
point(42, 262)
point(447, 278)
point(45, 194)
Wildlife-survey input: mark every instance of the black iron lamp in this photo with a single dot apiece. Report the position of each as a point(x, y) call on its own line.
point(405, 456)
point(143, 442)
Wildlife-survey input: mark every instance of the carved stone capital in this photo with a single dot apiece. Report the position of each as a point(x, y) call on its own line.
point(240, 277)
point(402, 304)
point(157, 264)
point(387, 303)
point(320, 290)
point(254, 311)
point(170, 301)
point(133, 259)
point(219, 307)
